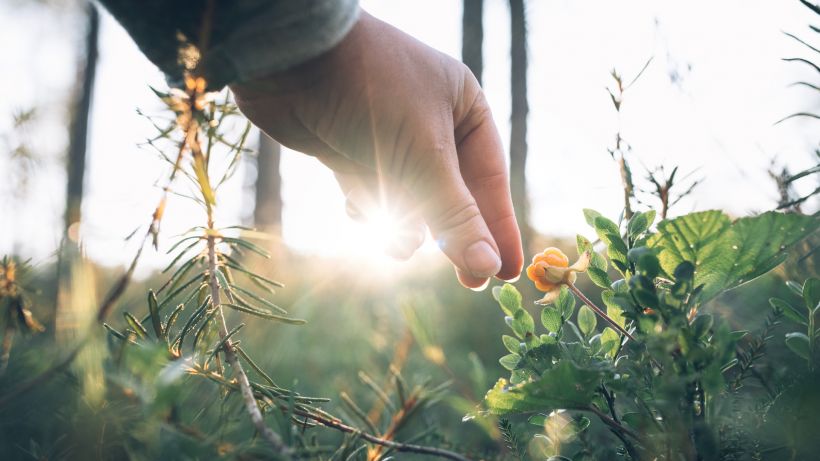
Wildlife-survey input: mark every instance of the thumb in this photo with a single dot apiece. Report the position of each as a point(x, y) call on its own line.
point(453, 216)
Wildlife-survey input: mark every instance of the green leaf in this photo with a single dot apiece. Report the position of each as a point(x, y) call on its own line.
point(531, 341)
point(616, 250)
point(564, 386)
point(255, 297)
point(727, 254)
point(171, 321)
point(114, 332)
point(222, 280)
point(587, 321)
point(737, 335)
point(538, 420)
point(510, 361)
point(582, 423)
point(153, 309)
point(513, 345)
point(247, 245)
point(590, 215)
point(135, 325)
point(794, 314)
point(548, 340)
point(613, 310)
point(583, 244)
point(599, 277)
point(598, 261)
point(702, 324)
point(610, 340)
point(551, 319)
point(265, 314)
point(795, 287)
point(645, 261)
point(640, 223)
point(799, 344)
point(566, 303)
point(509, 298)
point(522, 323)
point(604, 226)
point(811, 294)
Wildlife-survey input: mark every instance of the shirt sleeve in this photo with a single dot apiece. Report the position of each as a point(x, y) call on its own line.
point(233, 41)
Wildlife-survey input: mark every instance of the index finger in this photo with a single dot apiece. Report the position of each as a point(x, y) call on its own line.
point(482, 165)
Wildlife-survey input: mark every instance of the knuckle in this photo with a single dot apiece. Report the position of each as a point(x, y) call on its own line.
point(497, 181)
point(457, 219)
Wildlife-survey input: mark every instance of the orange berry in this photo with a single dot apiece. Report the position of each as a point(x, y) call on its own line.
point(537, 271)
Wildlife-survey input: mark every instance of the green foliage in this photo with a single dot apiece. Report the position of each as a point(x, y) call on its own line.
point(563, 386)
point(660, 391)
point(587, 320)
point(805, 315)
point(725, 253)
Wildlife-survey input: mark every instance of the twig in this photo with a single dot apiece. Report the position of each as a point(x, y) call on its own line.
point(333, 422)
point(610, 402)
point(606, 419)
point(230, 354)
point(337, 424)
point(600, 312)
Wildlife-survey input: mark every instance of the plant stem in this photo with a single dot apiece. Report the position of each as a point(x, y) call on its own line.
point(333, 422)
point(811, 339)
point(230, 354)
point(610, 402)
point(613, 424)
point(337, 424)
point(599, 311)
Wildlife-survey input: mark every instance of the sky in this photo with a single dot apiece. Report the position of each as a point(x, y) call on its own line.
point(707, 103)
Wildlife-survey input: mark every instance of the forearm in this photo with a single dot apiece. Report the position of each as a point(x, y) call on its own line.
point(237, 40)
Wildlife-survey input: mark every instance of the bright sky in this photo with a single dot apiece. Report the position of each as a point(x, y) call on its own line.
point(717, 115)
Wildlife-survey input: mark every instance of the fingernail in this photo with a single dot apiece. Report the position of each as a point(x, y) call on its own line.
point(513, 280)
point(483, 286)
point(481, 260)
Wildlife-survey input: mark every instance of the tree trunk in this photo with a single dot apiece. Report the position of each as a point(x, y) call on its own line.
point(518, 118)
point(80, 114)
point(267, 212)
point(69, 256)
point(472, 36)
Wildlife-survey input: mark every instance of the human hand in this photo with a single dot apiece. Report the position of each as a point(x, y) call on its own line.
point(401, 123)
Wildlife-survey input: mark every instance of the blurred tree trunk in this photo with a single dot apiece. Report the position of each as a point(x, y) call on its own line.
point(472, 36)
point(80, 114)
point(69, 253)
point(267, 212)
point(518, 118)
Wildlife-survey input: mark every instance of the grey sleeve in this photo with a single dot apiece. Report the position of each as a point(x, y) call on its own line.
point(244, 39)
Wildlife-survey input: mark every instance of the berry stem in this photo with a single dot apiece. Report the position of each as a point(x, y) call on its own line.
point(599, 311)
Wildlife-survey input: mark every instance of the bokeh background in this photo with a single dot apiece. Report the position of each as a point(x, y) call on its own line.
point(707, 102)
